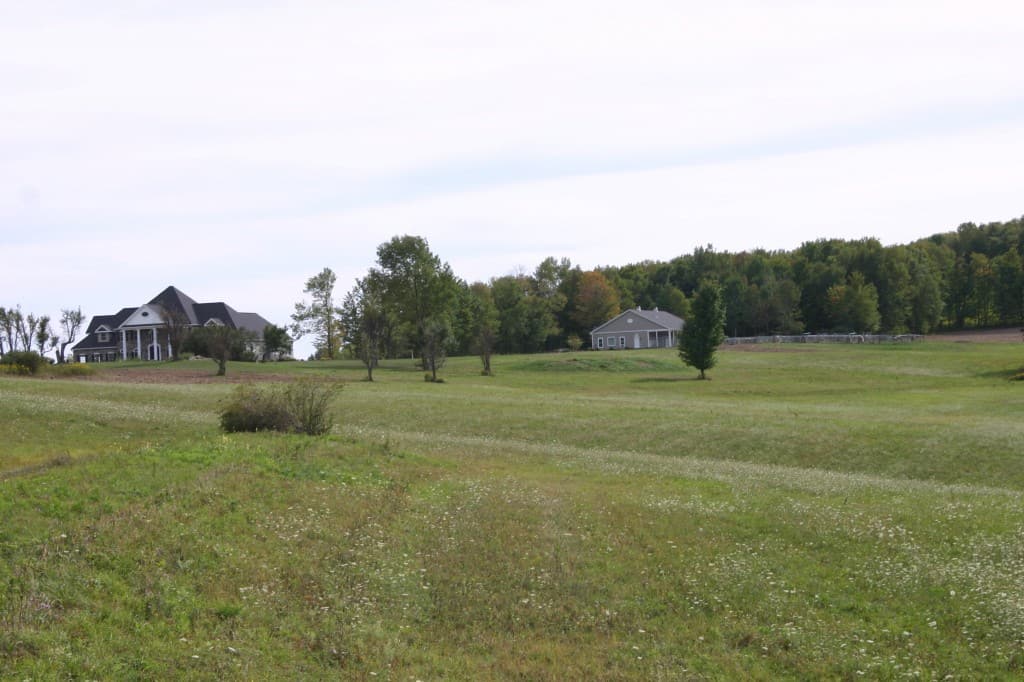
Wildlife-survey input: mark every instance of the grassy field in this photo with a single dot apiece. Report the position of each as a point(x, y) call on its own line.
point(812, 512)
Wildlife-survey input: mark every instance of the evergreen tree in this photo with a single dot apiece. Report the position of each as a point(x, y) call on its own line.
point(704, 332)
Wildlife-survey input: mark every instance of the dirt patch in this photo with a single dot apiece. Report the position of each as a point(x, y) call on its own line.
point(1005, 335)
point(144, 375)
point(766, 347)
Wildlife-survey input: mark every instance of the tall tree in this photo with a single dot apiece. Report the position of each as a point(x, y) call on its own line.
point(43, 335)
point(319, 317)
point(926, 292)
point(177, 326)
point(483, 324)
point(366, 322)
point(597, 301)
point(853, 306)
point(71, 322)
point(416, 285)
point(704, 332)
point(437, 335)
point(1010, 286)
point(5, 332)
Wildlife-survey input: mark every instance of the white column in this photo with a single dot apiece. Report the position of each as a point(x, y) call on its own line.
point(138, 344)
point(124, 344)
point(169, 353)
point(156, 344)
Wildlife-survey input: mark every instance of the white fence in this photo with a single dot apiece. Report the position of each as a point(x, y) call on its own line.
point(826, 338)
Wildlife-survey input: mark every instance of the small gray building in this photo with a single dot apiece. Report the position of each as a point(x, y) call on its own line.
point(637, 328)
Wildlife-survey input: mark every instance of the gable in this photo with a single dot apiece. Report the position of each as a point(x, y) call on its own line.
point(144, 316)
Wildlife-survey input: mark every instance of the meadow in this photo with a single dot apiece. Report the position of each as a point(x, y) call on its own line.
point(818, 512)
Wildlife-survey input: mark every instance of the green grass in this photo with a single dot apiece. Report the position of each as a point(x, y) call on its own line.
point(828, 513)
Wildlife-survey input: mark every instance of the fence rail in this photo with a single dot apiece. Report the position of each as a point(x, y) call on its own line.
point(825, 338)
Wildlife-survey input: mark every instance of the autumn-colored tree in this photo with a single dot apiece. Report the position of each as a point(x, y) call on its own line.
point(597, 301)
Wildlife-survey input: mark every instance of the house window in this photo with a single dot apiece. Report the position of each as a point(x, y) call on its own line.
point(611, 342)
point(600, 342)
point(104, 337)
point(622, 341)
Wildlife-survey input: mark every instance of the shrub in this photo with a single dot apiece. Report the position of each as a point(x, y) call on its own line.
point(256, 409)
point(29, 361)
point(309, 403)
point(300, 407)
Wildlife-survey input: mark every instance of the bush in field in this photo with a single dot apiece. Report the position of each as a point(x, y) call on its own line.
point(300, 407)
point(22, 362)
point(309, 403)
point(255, 409)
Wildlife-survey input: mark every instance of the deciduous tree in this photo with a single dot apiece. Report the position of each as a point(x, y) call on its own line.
point(218, 342)
point(597, 301)
point(71, 322)
point(416, 286)
point(319, 317)
point(178, 327)
point(276, 340)
point(366, 322)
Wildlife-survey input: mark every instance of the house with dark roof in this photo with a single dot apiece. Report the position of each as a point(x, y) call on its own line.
point(142, 332)
point(637, 328)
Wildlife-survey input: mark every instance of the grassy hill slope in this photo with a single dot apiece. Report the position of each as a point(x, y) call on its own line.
point(818, 512)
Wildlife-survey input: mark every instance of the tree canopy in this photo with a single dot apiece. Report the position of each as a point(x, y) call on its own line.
point(704, 332)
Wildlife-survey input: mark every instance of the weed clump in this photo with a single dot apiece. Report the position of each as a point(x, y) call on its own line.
point(300, 407)
point(73, 369)
point(22, 362)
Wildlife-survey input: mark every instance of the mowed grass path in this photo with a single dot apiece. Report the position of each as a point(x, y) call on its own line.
point(827, 513)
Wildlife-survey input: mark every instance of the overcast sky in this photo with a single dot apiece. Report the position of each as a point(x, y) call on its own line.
point(234, 149)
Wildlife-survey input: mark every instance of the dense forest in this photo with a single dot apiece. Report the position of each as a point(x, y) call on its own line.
point(972, 277)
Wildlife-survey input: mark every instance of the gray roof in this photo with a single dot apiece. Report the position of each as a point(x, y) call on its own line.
point(173, 299)
point(658, 319)
point(176, 300)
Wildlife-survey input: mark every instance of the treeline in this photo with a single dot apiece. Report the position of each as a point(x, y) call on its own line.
point(411, 301)
point(27, 332)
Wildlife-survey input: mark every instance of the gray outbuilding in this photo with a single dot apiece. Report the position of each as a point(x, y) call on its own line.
point(637, 328)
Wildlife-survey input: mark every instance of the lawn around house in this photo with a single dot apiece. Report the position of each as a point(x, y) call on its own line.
point(811, 512)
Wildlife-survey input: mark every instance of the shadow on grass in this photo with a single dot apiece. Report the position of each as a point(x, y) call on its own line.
point(663, 380)
point(1009, 374)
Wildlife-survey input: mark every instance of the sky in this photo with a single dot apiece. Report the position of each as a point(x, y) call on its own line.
point(234, 149)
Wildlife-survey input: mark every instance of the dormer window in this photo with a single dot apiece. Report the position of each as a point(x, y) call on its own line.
point(213, 322)
point(103, 334)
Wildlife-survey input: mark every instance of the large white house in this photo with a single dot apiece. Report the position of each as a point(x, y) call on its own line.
point(141, 332)
point(637, 328)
